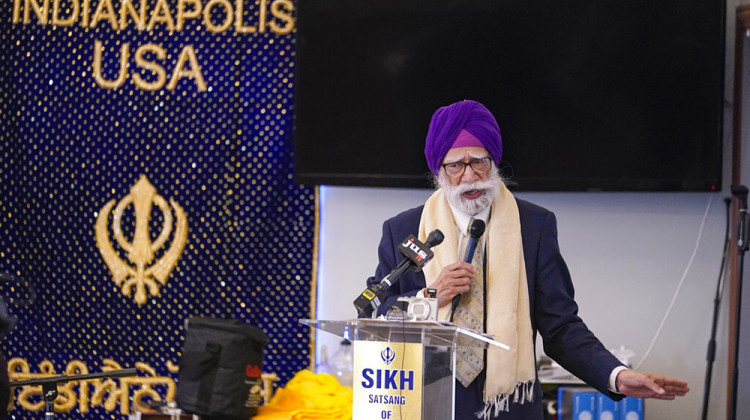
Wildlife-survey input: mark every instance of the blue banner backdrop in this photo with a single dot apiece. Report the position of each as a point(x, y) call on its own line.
point(146, 176)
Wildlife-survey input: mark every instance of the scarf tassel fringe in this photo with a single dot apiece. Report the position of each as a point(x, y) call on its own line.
point(523, 393)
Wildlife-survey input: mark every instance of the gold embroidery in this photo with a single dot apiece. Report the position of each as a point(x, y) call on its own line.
point(141, 251)
point(110, 394)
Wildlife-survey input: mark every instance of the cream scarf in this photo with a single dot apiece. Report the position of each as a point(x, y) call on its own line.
point(510, 373)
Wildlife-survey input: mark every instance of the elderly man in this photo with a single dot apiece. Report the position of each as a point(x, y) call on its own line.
point(516, 286)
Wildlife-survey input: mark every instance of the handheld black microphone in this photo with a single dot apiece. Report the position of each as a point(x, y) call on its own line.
point(740, 191)
point(416, 255)
point(475, 232)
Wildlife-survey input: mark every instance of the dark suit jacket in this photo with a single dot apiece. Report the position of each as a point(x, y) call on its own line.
point(554, 312)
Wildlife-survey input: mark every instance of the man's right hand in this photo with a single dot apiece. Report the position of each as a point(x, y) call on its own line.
point(453, 279)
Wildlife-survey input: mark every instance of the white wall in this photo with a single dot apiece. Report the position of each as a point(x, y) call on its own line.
point(350, 230)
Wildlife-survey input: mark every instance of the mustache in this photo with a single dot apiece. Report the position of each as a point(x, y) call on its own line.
point(476, 185)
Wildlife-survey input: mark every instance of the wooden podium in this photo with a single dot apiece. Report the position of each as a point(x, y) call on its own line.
point(404, 370)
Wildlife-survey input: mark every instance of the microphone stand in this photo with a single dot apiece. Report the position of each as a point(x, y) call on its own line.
point(710, 355)
point(739, 191)
point(49, 385)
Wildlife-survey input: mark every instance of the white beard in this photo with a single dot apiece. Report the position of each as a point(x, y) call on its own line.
point(454, 194)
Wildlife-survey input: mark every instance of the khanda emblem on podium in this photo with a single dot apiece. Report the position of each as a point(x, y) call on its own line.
point(140, 270)
point(388, 355)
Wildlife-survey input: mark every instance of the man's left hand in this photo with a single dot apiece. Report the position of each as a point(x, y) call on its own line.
point(650, 385)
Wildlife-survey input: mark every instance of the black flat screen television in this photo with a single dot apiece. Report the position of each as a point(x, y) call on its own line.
point(589, 94)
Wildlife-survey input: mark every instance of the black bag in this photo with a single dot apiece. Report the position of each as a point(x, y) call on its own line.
point(220, 369)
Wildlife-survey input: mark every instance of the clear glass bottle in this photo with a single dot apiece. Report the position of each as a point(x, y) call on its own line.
point(341, 363)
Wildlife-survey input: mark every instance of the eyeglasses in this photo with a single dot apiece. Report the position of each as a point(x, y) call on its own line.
point(478, 165)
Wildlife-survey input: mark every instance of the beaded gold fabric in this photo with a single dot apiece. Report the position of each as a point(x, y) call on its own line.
point(146, 175)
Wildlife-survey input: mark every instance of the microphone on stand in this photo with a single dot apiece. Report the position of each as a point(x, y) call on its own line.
point(475, 232)
point(416, 255)
point(740, 191)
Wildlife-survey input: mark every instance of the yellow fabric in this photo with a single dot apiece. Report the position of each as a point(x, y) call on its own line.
point(510, 374)
point(309, 396)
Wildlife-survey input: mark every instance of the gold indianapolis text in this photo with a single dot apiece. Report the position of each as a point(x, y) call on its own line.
point(273, 15)
point(109, 394)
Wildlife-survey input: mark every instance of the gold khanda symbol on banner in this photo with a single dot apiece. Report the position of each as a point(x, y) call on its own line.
point(141, 251)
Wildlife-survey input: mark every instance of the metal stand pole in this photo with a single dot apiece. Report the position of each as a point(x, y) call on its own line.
point(710, 355)
point(49, 385)
point(740, 192)
point(49, 389)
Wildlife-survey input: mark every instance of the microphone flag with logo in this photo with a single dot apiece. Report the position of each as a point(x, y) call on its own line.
point(416, 255)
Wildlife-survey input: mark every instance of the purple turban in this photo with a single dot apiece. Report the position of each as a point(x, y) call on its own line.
point(448, 121)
